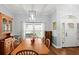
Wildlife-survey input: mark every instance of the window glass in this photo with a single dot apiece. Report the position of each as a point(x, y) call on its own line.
point(37, 28)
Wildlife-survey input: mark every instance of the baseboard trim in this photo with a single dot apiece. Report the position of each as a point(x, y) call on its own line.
point(56, 46)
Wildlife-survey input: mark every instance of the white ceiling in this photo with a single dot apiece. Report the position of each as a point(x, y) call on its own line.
point(41, 9)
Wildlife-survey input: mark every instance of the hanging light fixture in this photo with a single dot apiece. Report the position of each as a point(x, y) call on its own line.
point(32, 15)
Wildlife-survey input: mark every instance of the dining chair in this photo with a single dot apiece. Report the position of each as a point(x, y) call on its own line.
point(43, 40)
point(47, 42)
point(27, 52)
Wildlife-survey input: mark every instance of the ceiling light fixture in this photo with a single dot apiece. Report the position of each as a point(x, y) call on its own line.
point(32, 15)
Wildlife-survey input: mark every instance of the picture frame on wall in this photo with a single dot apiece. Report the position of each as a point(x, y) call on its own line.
point(54, 25)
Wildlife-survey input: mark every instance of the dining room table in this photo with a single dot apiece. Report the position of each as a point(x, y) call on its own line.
point(27, 44)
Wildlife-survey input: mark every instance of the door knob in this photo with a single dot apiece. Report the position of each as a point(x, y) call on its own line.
point(66, 34)
point(63, 42)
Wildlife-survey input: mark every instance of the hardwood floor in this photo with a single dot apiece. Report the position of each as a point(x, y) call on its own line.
point(64, 51)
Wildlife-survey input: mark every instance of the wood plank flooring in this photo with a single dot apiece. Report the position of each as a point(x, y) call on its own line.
point(64, 51)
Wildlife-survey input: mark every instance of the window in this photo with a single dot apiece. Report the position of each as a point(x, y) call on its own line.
point(37, 28)
point(71, 25)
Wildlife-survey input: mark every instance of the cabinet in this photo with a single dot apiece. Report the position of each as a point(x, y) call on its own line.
point(5, 23)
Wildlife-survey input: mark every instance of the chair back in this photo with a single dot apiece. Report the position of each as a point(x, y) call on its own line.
point(26, 52)
point(47, 42)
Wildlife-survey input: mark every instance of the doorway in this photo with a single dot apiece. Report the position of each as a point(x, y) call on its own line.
point(33, 28)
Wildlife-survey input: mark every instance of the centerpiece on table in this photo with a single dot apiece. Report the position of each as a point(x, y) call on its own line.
point(33, 38)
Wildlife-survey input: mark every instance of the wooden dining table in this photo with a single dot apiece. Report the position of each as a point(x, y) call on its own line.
point(37, 46)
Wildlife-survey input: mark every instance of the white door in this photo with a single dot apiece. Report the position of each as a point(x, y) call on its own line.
point(70, 39)
point(77, 34)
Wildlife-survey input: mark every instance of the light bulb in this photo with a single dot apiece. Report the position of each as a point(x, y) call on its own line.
point(32, 16)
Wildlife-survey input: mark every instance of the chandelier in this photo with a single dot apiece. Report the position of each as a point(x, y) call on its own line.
point(32, 15)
